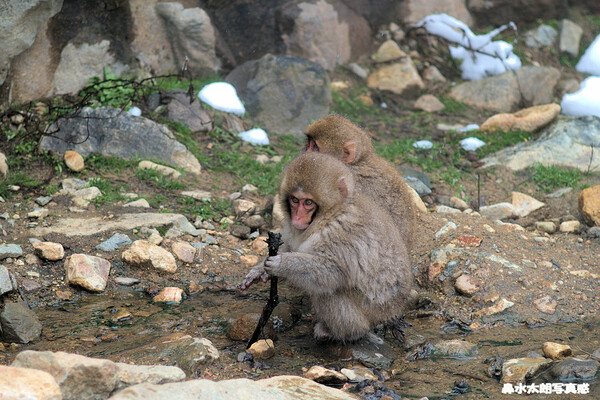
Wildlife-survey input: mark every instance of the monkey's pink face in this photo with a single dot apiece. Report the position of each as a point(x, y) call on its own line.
point(302, 207)
point(312, 145)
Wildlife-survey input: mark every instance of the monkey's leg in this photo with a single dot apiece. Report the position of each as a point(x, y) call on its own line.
point(339, 318)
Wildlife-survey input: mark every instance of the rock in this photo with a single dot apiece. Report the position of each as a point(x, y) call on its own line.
point(243, 328)
point(447, 210)
point(6, 284)
point(109, 131)
point(38, 213)
point(114, 242)
point(359, 374)
point(43, 200)
point(570, 35)
point(89, 272)
point(71, 185)
point(416, 200)
point(429, 103)
point(388, 51)
point(568, 142)
point(262, 349)
point(545, 226)
point(417, 185)
point(191, 354)
point(466, 285)
point(259, 245)
point(254, 221)
point(524, 204)
point(145, 254)
point(82, 197)
point(453, 348)
point(240, 231)
point(546, 304)
point(171, 295)
point(198, 195)
point(400, 78)
point(358, 70)
point(25, 383)
point(556, 351)
point(589, 205)
point(161, 169)
point(192, 115)
point(445, 230)
point(243, 207)
point(372, 351)
point(284, 94)
point(129, 375)
point(19, 324)
point(530, 119)
point(249, 260)
point(478, 93)
point(74, 161)
point(542, 36)
point(498, 211)
point(79, 377)
point(431, 73)
point(3, 164)
point(574, 370)
point(329, 34)
point(184, 251)
point(520, 370)
point(325, 376)
point(570, 226)
point(412, 11)
point(457, 203)
point(594, 231)
point(49, 251)
point(10, 251)
point(192, 36)
point(497, 308)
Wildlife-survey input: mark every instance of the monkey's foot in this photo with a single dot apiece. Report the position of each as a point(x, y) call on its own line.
point(398, 328)
point(321, 332)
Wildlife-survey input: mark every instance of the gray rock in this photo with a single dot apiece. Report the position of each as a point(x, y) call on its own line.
point(124, 281)
point(110, 131)
point(189, 114)
point(19, 324)
point(10, 250)
point(240, 231)
point(570, 35)
point(19, 26)
point(43, 200)
point(114, 242)
point(537, 84)
point(499, 93)
point(192, 36)
point(71, 185)
point(373, 351)
point(543, 36)
point(574, 370)
point(284, 93)
point(128, 374)
point(6, 284)
point(594, 231)
point(569, 142)
point(418, 185)
point(453, 348)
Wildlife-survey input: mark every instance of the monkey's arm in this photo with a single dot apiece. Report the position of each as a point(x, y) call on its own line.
point(256, 274)
point(309, 272)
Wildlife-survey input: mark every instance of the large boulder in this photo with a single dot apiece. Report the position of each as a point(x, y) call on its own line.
point(112, 132)
point(283, 93)
point(412, 11)
point(522, 12)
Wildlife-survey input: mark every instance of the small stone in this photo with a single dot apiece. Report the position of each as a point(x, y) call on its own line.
point(556, 351)
point(161, 169)
point(184, 251)
point(38, 213)
point(429, 103)
point(431, 73)
point(530, 119)
point(198, 195)
point(249, 260)
point(169, 295)
point(240, 231)
point(49, 251)
point(570, 226)
point(10, 251)
point(145, 254)
point(447, 210)
point(498, 211)
point(574, 370)
point(460, 204)
point(546, 304)
point(254, 221)
point(594, 231)
point(545, 226)
point(124, 281)
point(262, 158)
point(3, 166)
point(19, 324)
point(243, 328)
point(500, 306)
point(262, 349)
point(388, 51)
point(89, 272)
point(43, 200)
point(520, 370)
point(74, 161)
point(243, 207)
point(445, 230)
point(249, 188)
point(454, 348)
point(325, 376)
point(120, 315)
point(524, 204)
point(466, 285)
point(259, 245)
point(114, 242)
point(589, 205)
point(142, 203)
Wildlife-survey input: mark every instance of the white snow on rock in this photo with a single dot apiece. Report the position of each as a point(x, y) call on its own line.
point(255, 136)
point(423, 144)
point(471, 143)
point(222, 96)
point(135, 111)
point(481, 56)
point(585, 101)
point(470, 127)
point(589, 62)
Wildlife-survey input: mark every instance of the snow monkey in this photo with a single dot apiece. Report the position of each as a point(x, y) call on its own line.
point(340, 248)
point(374, 175)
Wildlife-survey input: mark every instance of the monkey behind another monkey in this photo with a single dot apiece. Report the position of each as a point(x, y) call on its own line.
point(341, 248)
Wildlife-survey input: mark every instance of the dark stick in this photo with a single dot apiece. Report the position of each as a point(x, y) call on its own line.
point(274, 241)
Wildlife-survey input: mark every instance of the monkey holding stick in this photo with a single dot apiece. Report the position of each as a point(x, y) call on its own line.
point(342, 249)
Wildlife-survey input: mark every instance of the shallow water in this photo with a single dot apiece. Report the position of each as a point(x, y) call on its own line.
point(90, 326)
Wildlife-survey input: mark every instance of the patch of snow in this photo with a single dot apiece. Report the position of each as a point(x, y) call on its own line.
point(423, 144)
point(222, 96)
point(585, 101)
point(481, 56)
point(471, 143)
point(255, 136)
point(468, 128)
point(590, 60)
point(135, 111)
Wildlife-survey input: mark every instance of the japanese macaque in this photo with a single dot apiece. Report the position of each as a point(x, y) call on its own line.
point(340, 248)
point(375, 176)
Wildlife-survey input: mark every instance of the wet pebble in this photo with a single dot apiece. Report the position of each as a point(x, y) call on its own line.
point(546, 304)
point(262, 349)
point(556, 351)
point(453, 348)
point(114, 242)
point(143, 253)
point(89, 272)
point(124, 281)
point(545, 226)
point(184, 251)
point(325, 376)
point(466, 285)
point(169, 295)
point(574, 370)
point(6, 284)
point(243, 327)
point(120, 315)
point(519, 370)
point(19, 324)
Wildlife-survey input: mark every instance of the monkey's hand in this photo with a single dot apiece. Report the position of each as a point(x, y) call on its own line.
point(272, 264)
point(256, 274)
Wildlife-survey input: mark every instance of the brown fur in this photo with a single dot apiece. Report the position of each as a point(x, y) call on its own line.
point(351, 260)
point(375, 176)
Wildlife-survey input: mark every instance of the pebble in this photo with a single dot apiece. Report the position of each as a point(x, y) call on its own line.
point(574, 369)
point(249, 260)
point(161, 169)
point(143, 253)
point(254, 221)
point(240, 231)
point(358, 374)
point(447, 210)
point(500, 306)
point(520, 370)
point(446, 229)
point(124, 281)
point(262, 349)
point(570, 226)
point(49, 251)
point(142, 203)
point(74, 161)
point(198, 195)
point(556, 351)
point(169, 295)
point(38, 213)
point(453, 348)
point(466, 285)
point(86, 271)
point(114, 242)
point(594, 231)
point(10, 250)
point(243, 207)
point(325, 376)
point(184, 251)
point(546, 304)
point(545, 226)
point(43, 200)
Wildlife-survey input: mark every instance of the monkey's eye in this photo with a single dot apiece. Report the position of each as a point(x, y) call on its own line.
point(294, 200)
point(308, 202)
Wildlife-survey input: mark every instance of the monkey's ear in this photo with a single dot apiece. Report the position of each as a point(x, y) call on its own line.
point(343, 187)
point(349, 152)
